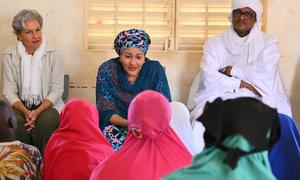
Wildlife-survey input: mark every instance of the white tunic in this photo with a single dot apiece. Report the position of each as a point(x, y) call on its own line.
point(261, 70)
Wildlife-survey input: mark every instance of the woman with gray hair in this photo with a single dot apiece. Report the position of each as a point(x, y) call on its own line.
point(32, 74)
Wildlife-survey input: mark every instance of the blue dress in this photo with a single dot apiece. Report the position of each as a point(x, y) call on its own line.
point(285, 155)
point(114, 93)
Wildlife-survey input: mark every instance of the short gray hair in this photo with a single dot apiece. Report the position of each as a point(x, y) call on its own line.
point(23, 16)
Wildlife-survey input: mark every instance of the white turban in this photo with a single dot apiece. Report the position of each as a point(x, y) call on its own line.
point(255, 5)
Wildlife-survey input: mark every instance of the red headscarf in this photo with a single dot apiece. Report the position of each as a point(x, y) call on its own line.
point(78, 145)
point(151, 149)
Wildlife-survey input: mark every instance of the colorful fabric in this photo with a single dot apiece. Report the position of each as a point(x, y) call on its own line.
point(78, 145)
point(20, 161)
point(285, 156)
point(115, 136)
point(135, 38)
point(151, 153)
point(114, 92)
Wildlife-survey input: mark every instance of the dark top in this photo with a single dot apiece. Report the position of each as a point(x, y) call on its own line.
point(248, 117)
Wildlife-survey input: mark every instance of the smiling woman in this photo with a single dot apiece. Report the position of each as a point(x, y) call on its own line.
point(132, 60)
point(120, 79)
point(33, 80)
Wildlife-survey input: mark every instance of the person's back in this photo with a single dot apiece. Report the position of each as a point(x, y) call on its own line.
point(232, 151)
point(151, 149)
point(17, 160)
point(78, 145)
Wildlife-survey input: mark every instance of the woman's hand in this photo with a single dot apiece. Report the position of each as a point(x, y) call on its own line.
point(118, 120)
point(31, 120)
point(34, 115)
point(27, 121)
point(28, 124)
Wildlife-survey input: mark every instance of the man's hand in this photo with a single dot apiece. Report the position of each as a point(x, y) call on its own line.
point(226, 71)
point(250, 87)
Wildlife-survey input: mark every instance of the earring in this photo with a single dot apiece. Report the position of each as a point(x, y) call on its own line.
point(137, 133)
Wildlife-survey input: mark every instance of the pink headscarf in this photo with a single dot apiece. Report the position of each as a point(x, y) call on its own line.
point(152, 153)
point(78, 145)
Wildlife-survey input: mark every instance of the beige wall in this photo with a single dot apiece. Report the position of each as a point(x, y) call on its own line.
point(63, 27)
point(283, 22)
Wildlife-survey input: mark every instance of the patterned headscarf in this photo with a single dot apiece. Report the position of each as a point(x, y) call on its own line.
point(132, 38)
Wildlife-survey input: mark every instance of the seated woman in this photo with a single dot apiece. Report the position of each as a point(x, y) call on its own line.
point(238, 135)
point(152, 149)
point(78, 145)
point(17, 160)
point(120, 79)
point(33, 78)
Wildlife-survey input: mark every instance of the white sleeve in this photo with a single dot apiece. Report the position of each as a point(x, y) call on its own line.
point(57, 79)
point(212, 83)
point(9, 82)
point(262, 72)
point(212, 79)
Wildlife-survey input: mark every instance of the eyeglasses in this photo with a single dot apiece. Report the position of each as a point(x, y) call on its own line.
point(247, 14)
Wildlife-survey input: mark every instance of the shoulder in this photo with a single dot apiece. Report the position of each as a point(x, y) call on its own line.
point(269, 39)
point(29, 148)
point(214, 40)
point(109, 63)
point(10, 56)
point(153, 63)
point(109, 66)
point(33, 152)
point(52, 50)
point(12, 49)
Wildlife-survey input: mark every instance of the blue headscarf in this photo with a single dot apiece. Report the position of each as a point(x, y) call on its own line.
point(135, 38)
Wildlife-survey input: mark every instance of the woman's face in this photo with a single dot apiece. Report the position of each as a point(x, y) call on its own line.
point(31, 35)
point(132, 60)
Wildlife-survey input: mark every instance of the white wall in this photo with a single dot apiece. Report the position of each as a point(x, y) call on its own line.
point(284, 23)
point(63, 27)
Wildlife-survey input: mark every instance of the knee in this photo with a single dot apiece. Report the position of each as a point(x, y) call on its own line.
point(48, 120)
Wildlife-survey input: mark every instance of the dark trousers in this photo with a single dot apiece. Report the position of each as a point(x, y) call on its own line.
point(45, 125)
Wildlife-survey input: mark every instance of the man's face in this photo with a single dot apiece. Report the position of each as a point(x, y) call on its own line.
point(243, 20)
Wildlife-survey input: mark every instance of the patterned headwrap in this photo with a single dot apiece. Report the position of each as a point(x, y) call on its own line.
point(132, 38)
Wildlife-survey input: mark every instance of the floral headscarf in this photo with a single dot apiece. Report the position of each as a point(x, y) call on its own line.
point(132, 38)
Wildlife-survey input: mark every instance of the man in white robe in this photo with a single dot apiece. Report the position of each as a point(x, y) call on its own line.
point(241, 58)
point(243, 61)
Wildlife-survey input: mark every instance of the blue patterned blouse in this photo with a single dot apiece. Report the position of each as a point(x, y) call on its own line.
point(114, 92)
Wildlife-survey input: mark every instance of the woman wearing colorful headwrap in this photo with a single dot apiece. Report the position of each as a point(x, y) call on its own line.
point(152, 149)
point(78, 145)
point(120, 79)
